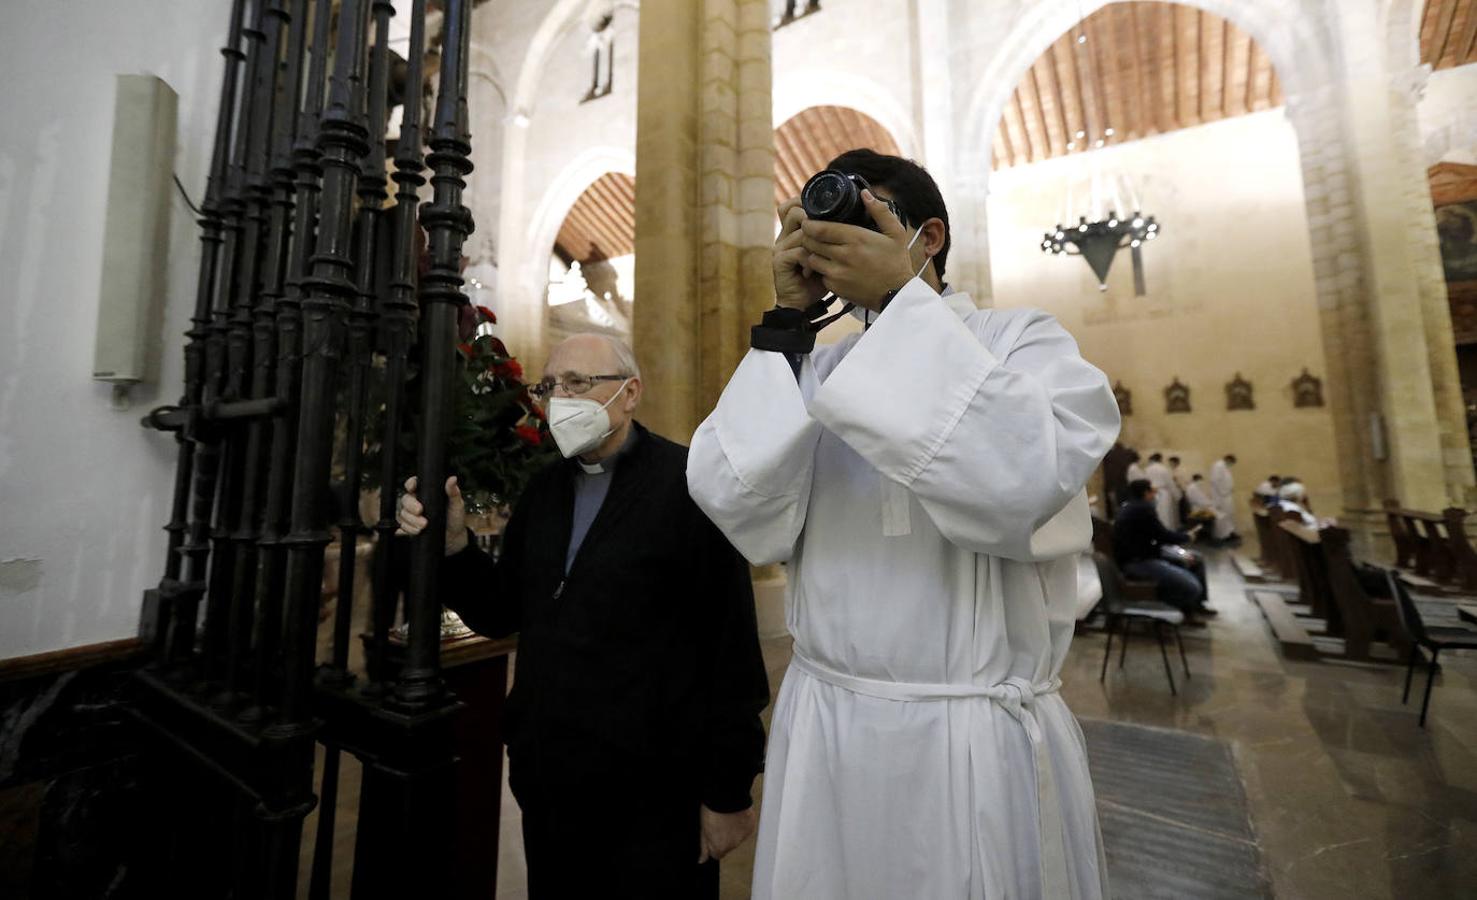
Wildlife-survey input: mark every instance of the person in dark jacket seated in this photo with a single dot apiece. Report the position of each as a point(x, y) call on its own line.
point(1140, 542)
point(633, 725)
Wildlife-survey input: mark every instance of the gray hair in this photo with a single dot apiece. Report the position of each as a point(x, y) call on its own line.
point(625, 357)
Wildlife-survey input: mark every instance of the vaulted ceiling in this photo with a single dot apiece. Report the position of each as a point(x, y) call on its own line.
point(813, 137)
point(1449, 33)
point(1144, 68)
point(602, 222)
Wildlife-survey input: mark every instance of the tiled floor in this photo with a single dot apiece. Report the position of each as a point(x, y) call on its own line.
point(1348, 797)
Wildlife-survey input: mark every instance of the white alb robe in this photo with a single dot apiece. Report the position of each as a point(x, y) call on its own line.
point(1166, 494)
point(1199, 497)
point(1222, 487)
point(924, 481)
point(1136, 473)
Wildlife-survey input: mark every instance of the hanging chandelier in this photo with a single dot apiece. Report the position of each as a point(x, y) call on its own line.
point(1100, 232)
point(1098, 242)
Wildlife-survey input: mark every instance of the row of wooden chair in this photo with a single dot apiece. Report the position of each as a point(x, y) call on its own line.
point(1351, 600)
point(1433, 545)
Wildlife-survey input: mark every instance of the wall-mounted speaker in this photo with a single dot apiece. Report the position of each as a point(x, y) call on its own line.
point(136, 231)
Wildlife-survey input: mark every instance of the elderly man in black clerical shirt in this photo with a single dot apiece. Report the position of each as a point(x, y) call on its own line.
point(633, 725)
point(1141, 543)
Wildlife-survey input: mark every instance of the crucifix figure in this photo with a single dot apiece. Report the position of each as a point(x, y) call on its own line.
point(601, 46)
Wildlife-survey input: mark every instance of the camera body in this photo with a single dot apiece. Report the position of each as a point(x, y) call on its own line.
point(835, 196)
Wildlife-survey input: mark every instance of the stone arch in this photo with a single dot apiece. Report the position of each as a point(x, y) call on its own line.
point(1301, 49)
point(548, 216)
point(484, 67)
point(1300, 57)
point(523, 269)
point(810, 138)
point(797, 91)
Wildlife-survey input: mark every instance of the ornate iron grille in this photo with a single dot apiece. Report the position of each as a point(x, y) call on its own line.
point(308, 280)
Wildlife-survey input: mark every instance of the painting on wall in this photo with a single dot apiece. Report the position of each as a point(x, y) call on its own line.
point(1456, 227)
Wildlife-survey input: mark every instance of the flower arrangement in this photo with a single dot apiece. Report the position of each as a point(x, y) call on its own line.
point(499, 437)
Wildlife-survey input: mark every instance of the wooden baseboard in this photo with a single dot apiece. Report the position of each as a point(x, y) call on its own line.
point(70, 658)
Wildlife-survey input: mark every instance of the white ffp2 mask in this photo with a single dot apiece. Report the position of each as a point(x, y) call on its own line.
point(579, 425)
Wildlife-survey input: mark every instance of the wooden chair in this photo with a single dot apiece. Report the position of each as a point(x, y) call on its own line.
point(1442, 561)
point(1434, 639)
point(1400, 535)
point(1125, 603)
point(1464, 557)
point(1302, 545)
point(1284, 551)
point(1363, 617)
point(1267, 558)
point(1420, 540)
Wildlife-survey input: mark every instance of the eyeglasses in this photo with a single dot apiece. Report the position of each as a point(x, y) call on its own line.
point(573, 384)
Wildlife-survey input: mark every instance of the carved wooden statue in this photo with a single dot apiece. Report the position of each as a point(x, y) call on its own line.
point(1307, 391)
point(1177, 397)
point(1238, 394)
point(1124, 397)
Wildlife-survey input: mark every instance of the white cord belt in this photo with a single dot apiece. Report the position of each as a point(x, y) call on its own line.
point(1017, 697)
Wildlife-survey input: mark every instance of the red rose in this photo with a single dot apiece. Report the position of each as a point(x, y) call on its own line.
point(508, 368)
point(487, 314)
point(529, 434)
point(466, 350)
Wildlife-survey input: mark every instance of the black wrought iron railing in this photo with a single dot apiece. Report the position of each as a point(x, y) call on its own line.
point(308, 282)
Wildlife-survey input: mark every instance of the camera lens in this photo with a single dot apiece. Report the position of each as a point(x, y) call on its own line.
point(824, 194)
point(835, 196)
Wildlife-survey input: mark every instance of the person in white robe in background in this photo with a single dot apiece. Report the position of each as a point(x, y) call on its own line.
point(1136, 470)
point(1166, 491)
point(924, 482)
point(1293, 495)
point(1222, 493)
point(1202, 502)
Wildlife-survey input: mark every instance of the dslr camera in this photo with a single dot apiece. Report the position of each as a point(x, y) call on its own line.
point(835, 196)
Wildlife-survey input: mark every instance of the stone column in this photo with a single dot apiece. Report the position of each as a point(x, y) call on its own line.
point(1415, 205)
point(1411, 339)
point(704, 200)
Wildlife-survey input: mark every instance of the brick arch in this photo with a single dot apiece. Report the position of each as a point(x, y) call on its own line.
point(562, 195)
point(806, 141)
point(1301, 46)
point(1298, 53)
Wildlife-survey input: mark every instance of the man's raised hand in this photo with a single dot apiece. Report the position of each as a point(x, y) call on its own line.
point(860, 265)
point(795, 284)
point(410, 513)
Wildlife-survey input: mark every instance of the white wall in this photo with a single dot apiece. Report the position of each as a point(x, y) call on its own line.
point(1448, 116)
point(1230, 289)
point(84, 490)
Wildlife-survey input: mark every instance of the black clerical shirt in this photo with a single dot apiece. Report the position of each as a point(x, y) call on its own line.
point(641, 662)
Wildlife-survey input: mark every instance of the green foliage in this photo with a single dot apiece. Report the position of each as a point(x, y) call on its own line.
point(498, 439)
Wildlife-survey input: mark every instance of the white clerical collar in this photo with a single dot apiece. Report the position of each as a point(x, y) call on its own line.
point(608, 464)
